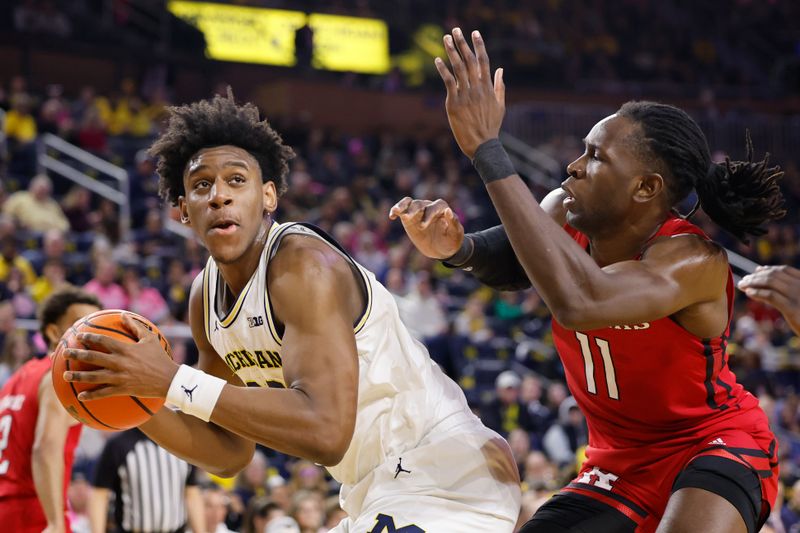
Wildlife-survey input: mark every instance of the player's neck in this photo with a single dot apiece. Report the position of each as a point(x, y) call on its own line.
point(625, 241)
point(239, 272)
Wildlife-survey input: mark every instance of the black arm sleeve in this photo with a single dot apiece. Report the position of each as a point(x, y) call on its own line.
point(493, 261)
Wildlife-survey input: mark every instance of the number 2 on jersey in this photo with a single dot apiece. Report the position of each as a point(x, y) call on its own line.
point(608, 364)
point(5, 429)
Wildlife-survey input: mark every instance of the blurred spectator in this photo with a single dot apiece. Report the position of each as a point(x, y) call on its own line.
point(333, 512)
point(53, 277)
point(153, 239)
point(790, 513)
point(21, 131)
point(530, 396)
point(142, 299)
point(283, 524)
point(78, 495)
point(104, 285)
point(7, 317)
point(144, 187)
point(471, 322)
point(421, 311)
point(78, 209)
point(539, 474)
point(92, 135)
point(307, 510)
point(504, 413)
point(520, 442)
point(54, 115)
point(10, 259)
point(306, 476)
point(261, 512)
point(215, 503)
point(35, 209)
point(252, 481)
point(24, 306)
point(562, 441)
point(41, 17)
point(16, 350)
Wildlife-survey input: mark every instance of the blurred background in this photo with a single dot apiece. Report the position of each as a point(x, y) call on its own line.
point(350, 84)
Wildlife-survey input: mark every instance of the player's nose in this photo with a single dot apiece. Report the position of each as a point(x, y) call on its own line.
point(219, 195)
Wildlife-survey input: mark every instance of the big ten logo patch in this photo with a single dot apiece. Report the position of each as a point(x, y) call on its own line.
point(254, 321)
point(598, 478)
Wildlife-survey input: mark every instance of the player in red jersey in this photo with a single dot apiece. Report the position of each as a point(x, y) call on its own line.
point(641, 301)
point(37, 436)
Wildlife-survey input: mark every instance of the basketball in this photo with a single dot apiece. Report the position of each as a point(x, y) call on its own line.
point(109, 414)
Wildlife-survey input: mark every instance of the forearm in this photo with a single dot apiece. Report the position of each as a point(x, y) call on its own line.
point(490, 258)
point(98, 509)
point(203, 444)
point(561, 272)
point(285, 420)
point(48, 477)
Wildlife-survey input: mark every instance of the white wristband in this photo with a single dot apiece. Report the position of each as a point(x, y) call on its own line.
point(194, 392)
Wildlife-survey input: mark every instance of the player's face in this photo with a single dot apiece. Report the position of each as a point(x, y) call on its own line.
point(225, 201)
point(73, 313)
point(602, 182)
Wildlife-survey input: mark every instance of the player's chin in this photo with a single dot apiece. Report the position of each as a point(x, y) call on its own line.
point(224, 253)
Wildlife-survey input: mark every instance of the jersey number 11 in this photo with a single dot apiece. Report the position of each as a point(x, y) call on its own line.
point(588, 364)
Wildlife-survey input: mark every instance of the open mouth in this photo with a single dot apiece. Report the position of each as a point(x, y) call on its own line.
point(223, 227)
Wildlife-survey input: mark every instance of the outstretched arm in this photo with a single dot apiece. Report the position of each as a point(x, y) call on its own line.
point(579, 293)
point(47, 461)
point(778, 286)
point(436, 232)
point(314, 418)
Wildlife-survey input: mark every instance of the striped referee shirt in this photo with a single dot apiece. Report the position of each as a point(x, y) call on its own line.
point(148, 483)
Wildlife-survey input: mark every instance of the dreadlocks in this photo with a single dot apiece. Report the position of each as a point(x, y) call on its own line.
point(217, 122)
point(740, 196)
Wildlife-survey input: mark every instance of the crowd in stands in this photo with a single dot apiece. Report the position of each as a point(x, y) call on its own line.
point(580, 44)
point(497, 346)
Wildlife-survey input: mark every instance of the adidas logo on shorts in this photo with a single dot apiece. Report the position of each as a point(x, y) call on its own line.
point(717, 442)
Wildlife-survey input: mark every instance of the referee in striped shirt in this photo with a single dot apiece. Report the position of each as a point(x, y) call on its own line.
point(154, 491)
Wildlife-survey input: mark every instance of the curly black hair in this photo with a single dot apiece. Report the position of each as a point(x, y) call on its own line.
point(217, 122)
point(740, 196)
point(54, 307)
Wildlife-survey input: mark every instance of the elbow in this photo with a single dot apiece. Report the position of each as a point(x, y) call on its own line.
point(229, 469)
point(572, 317)
point(328, 446)
point(43, 451)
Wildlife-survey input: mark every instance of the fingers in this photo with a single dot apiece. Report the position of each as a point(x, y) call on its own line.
point(499, 87)
point(100, 392)
point(460, 70)
point(400, 207)
point(447, 76)
point(135, 327)
point(771, 297)
point(434, 211)
point(467, 57)
point(91, 376)
point(483, 58)
point(774, 278)
point(102, 342)
point(92, 357)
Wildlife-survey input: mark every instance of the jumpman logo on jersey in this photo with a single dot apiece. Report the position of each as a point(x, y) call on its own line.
point(400, 468)
point(189, 391)
point(216, 326)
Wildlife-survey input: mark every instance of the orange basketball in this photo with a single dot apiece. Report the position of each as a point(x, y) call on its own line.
point(110, 414)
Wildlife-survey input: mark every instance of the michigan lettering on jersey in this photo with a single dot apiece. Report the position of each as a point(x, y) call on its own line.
point(239, 359)
point(385, 524)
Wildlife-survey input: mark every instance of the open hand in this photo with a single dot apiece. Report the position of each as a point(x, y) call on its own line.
point(778, 286)
point(432, 226)
point(475, 107)
point(140, 369)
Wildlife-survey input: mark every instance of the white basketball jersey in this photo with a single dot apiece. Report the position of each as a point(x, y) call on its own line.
point(402, 393)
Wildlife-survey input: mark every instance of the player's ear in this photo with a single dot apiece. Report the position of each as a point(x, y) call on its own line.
point(270, 197)
point(184, 210)
point(648, 187)
point(51, 334)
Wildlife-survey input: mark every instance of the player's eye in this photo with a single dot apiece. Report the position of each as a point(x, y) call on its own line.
point(201, 184)
point(237, 178)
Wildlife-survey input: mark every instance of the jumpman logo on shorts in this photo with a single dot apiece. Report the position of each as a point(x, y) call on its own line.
point(400, 468)
point(189, 391)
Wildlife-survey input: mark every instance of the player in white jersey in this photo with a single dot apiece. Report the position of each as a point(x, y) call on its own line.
point(331, 373)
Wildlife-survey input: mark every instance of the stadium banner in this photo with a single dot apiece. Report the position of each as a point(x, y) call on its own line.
point(267, 36)
point(243, 34)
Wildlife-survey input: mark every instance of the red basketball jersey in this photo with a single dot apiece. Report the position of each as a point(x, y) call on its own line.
point(19, 409)
point(652, 393)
